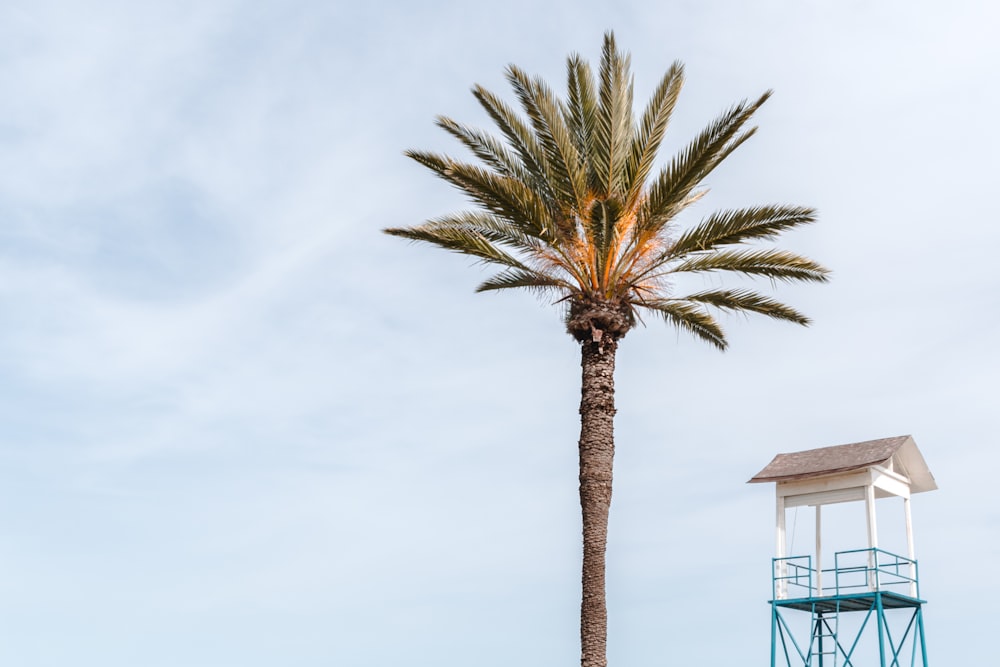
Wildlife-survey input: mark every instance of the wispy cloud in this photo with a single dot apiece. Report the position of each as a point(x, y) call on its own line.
point(237, 419)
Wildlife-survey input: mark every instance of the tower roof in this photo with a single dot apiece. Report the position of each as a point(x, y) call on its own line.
point(899, 453)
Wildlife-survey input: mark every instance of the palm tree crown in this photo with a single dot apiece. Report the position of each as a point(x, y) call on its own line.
point(567, 204)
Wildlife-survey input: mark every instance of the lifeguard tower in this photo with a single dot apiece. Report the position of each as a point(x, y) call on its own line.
point(869, 600)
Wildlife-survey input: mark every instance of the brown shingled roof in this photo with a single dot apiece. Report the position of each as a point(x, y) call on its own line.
point(830, 460)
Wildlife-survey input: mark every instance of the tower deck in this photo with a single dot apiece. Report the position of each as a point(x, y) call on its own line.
point(850, 602)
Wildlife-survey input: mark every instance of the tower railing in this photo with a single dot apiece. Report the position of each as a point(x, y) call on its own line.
point(854, 571)
point(792, 576)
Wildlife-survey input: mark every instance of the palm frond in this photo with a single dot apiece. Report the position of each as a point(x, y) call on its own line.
point(580, 110)
point(737, 226)
point(690, 318)
point(460, 240)
point(676, 181)
point(613, 127)
point(487, 148)
point(545, 113)
point(737, 300)
point(524, 278)
point(601, 224)
point(495, 229)
point(649, 133)
point(770, 263)
point(506, 197)
point(520, 138)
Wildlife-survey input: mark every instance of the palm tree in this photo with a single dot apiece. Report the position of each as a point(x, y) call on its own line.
point(565, 205)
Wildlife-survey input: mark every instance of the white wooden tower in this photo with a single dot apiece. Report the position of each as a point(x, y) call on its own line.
point(860, 579)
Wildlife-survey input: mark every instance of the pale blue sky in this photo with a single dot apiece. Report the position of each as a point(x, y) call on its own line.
point(241, 427)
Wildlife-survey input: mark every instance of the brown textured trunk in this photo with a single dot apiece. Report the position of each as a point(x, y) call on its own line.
point(597, 449)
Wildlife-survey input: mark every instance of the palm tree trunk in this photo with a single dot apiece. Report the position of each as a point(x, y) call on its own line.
point(597, 449)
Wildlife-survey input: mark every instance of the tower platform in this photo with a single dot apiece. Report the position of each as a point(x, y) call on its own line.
point(853, 602)
point(882, 586)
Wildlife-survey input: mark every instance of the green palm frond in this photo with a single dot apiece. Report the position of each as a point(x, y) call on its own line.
point(507, 197)
point(650, 131)
point(554, 137)
point(520, 138)
point(775, 264)
point(613, 126)
point(690, 318)
point(488, 149)
point(493, 228)
point(524, 278)
point(738, 226)
point(741, 300)
point(675, 183)
point(458, 239)
point(580, 109)
point(600, 227)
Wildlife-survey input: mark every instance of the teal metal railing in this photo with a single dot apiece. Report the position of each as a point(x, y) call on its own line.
point(854, 571)
point(792, 576)
point(874, 570)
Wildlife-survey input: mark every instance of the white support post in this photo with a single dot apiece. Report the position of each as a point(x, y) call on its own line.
point(872, 536)
point(779, 547)
point(819, 552)
point(909, 547)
